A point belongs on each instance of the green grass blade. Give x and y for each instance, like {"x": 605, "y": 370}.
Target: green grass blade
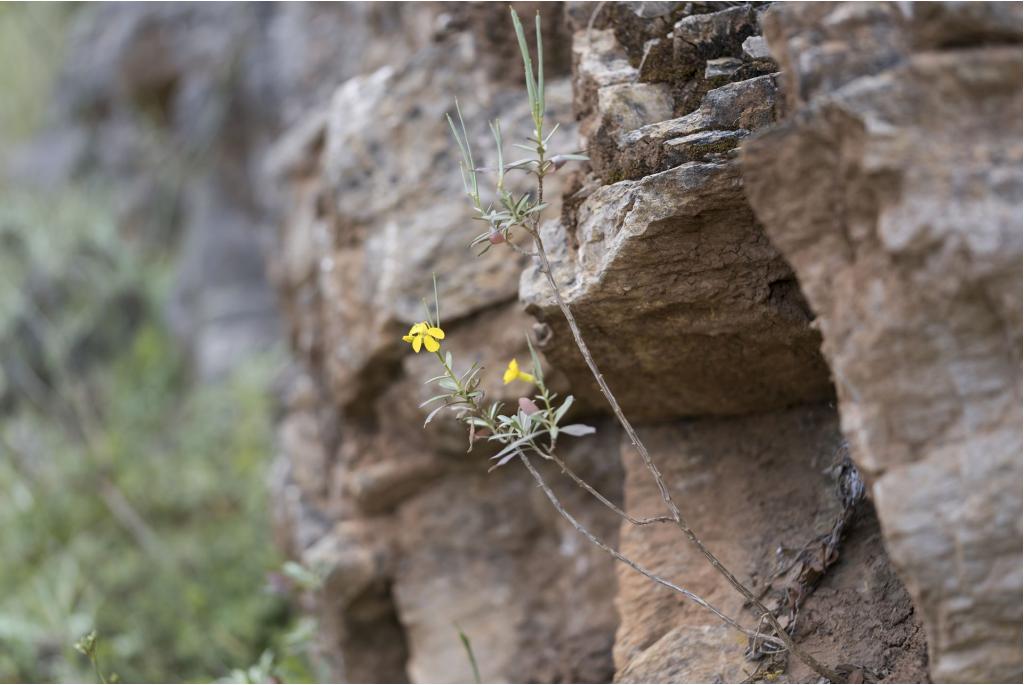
{"x": 496, "y": 130}
{"x": 531, "y": 86}
{"x": 540, "y": 73}
{"x": 469, "y": 154}
{"x": 469, "y": 653}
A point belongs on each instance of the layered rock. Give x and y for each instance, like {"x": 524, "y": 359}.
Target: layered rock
{"x": 686, "y": 265}
{"x": 894, "y": 190}
{"x": 417, "y": 540}
{"x": 879, "y": 175}
{"x": 691, "y": 311}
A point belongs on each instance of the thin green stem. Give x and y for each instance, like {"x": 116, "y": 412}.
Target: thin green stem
{"x": 96, "y": 667}
{"x": 469, "y": 653}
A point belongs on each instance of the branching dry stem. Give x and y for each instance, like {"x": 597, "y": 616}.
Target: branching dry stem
{"x": 517, "y": 213}
{"x": 676, "y": 515}
{"x": 556, "y": 503}
{"x": 601, "y": 498}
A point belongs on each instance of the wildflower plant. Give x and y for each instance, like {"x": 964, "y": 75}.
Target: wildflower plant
{"x": 536, "y": 422}
{"x": 535, "y": 426}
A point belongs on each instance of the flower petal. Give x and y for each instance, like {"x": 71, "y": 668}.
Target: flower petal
{"x": 407, "y": 338}
{"x": 417, "y": 342}
{"x": 435, "y": 332}
{"x": 431, "y": 344}
{"x": 511, "y": 372}
{"x": 523, "y": 376}
{"x": 418, "y": 328}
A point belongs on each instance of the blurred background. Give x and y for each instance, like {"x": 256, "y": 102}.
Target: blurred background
{"x": 138, "y": 346}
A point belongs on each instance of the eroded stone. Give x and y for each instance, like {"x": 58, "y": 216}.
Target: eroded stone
{"x": 895, "y": 193}
{"x": 663, "y": 266}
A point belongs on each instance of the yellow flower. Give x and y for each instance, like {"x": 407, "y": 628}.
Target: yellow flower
{"x": 512, "y": 373}
{"x": 424, "y": 335}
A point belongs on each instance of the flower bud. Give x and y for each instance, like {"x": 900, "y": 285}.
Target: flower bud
{"x": 527, "y": 405}
{"x": 496, "y": 237}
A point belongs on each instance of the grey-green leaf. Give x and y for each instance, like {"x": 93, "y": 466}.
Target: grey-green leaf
{"x": 577, "y": 429}
{"x": 431, "y": 415}
{"x": 560, "y": 412}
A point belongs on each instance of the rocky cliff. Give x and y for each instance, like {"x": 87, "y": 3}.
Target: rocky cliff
{"x": 796, "y": 255}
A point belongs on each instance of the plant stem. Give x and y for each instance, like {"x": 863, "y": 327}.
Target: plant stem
{"x": 96, "y": 667}
{"x": 597, "y": 495}
{"x": 666, "y": 496}
{"x": 469, "y": 653}
{"x": 629, "y": 562}
{"x": 478, "y": 412}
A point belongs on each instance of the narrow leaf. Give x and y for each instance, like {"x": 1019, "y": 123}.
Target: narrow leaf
{"x": 540, "y": 73}
{"x": 431, "y": 415}
{"x": 513, "y": 445}
{"x": 496, "y": 130}
{"x": 505, "y": 460}
{"x": 560, "y": 412}
{"x": 577, "y": 429}
{"x": 531, "y": 86}
{"x": 538, "y": 371}
{"x": 519, "y": 163}
{"x": 551, "y": 133}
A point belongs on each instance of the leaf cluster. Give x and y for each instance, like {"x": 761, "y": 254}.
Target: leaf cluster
{"x": 510, "y": 210}
{"x": 536, "y": 420}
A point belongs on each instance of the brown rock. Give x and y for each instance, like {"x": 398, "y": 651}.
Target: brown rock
{"x": 489, "y": 553}
{"x": 895, "y": 193}
{"x": 701, "y": 37}
{"x": 367, "y": 286}
{"x": 665, "y": 265}
{"x": 757, "y": 489}
{"x": 736, "y": 108}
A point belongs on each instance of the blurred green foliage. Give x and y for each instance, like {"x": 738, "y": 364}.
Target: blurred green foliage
{"x": 133, "y": 499}
{"x": 31, "y": 47}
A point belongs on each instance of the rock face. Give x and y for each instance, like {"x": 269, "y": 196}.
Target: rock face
{"x": 894, "y": 190}
{"x": 689, "y": 309}
{"x": 415, "y": 536}
{"x": 699, "y": 326}
{"x": 795, "y": 253}
{"x": 879, "y": 175}
{"x": 761, "y": 490}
